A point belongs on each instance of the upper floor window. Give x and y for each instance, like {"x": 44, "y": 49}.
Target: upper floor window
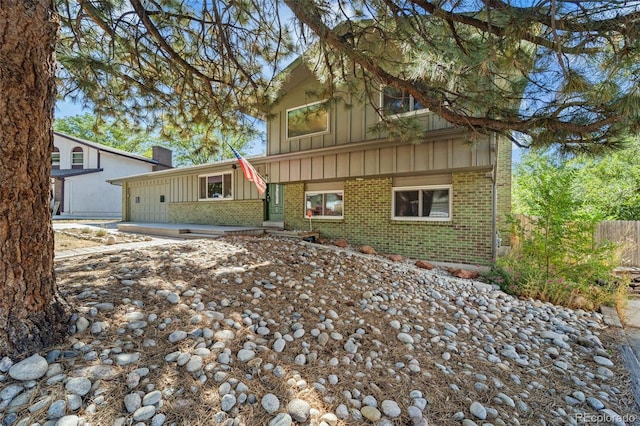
{"x": 398, "y": 102}
{"x": 55, "y": 158}
{"x": 324, "y": 204}
{"x": 77, "y": 158}
{"x": 307, "y": 120}
{"x": 213, "y": 187}
{"x": 422, "y": 203}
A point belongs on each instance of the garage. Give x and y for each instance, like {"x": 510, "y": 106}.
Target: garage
{"x": 148, "y": 200}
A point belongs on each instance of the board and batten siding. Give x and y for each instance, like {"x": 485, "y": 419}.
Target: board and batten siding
{"x": 179, "y": 186}
{"x": 384, "y": 158}
{"x": 144, "y": 202}
{"x": 347, "y": 123}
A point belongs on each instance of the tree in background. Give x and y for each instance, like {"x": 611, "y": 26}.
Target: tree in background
{"x": 114, "y": 134}
{"x": 610, "y": 184}
{"x": 606, "y": 186}
{"x": 191, "y": 145}
{"x": 556, "y": 257}
{"x": 198, "y": 144}
{"x": 575, "y": 65}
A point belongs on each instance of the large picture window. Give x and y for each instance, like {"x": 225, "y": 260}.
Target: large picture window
{"x": 325, "y": 204}
{"x": 422, "y": 203}
{"x": 307, "y": 120}
{"x": 398, "y": 102}
{"x": 215, "y": 187}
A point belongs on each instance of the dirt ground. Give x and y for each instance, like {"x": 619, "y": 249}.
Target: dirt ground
{"x": 66, "y": 241}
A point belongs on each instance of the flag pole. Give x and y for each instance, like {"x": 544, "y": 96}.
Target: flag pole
{"x": 233, "y": 149}
{"x": 250, "y": 173}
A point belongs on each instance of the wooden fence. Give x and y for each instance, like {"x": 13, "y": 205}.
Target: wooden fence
{"x": 626, "y": 233}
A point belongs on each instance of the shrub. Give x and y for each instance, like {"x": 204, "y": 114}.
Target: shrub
{"x": 557, "y": 258}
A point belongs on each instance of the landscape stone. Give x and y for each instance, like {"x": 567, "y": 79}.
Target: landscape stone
{"x": 228, "y": 402}
{"x": 31, "y": 368}
{"x": 57, "y": 409}
{"x": 304, "y": 318}
{"x": 390, "y": 408}
{"x": 603, "y": 361}
{"x": 78, "y": 385}
{"x": 270, "y": 403}
{"x": 478, "y": 410}
{"x": 366, "y": 250}
{"x": 144, "y": 413}
{"x": 152, "y": 398}
{"x": 282, "y": 419}
{"x": 299, "y": 410}
{"x": 371, "y": 413}
{"x": 71, "y": 420}
{"x": 132, "y": 402}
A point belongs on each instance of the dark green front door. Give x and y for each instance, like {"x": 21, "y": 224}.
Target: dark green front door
{"x": 275, "y": 209}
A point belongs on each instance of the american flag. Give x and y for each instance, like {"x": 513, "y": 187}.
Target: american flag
{"x": 250, "y": 172}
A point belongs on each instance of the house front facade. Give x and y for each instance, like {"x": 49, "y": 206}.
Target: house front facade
{"x": 439, "y": 196}
{"x": 79, "y": 174}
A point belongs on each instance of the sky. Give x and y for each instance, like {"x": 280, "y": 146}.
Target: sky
{"x": 66, "y": 109}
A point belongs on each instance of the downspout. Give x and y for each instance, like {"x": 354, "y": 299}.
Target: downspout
{"x": 494, "y": 196}
{"x": 62, "y": 183}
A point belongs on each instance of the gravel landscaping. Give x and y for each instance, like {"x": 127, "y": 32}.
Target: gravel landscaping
{"x": 267, "y": 331}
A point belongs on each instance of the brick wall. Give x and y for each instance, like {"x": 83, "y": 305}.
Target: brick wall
{"x": 367, "y": 220}
{"x": 232, "y": 212}
{"x": 504, "y": 189}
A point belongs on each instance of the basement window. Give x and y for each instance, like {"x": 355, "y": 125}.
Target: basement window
{"x": 422, "y": 203}
{"x": 324, "y": 205}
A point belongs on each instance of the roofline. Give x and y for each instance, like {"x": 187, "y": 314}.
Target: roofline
{"x": 178, "y": 170}
{"x": 79, "y": 173}
{"x": 106, "y": 148}
{"x": 435, "y": 135}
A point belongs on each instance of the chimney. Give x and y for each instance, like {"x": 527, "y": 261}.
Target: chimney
{"x": 163, "y": 157}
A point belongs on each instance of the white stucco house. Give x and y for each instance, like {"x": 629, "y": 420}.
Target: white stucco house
{"x": 80, "y": 170}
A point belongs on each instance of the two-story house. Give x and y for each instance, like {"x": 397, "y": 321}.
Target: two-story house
{"x": 438, "y": 197}
{"x": 79, "y": 173}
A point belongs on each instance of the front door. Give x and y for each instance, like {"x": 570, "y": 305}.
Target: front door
{"x": 275, "y": 206}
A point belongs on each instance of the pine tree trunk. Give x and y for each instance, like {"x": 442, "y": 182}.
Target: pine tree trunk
{"x": 32, "y": 315}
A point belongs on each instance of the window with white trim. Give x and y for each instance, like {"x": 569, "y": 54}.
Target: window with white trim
{"x": 307, "y": 120}
{"x": 324, "y": 204}
{"x": 422, "y": 203}
{"x": 216, "y": 187}
{"x": 77, "y": 158}
{"x": 55, "y": 158}
{"x": 397, "y": 102}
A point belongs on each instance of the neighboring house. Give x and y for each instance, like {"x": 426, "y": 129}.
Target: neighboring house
{"x": 80, "y": 170}
{"x": 441, "y": 198}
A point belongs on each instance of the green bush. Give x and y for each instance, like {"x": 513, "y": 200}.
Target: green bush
{"x": 585, "y": 284}
{"x": 556, "y": 257}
